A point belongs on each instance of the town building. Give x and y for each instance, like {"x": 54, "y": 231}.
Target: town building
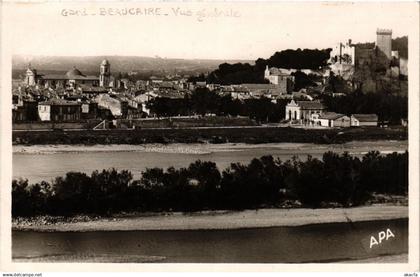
{"x": 262, "y": 90}
{"x": 331, "y": 119}
{"x": 72, "y": 78}
{"x": 117, "y": 105}
{"x": 303, "y": 110}
{"x": 59, "y": 110}
{"x": 89, "y": 110}
{"x": 280, "y": 77}
{"x": 358, "y": 120}
{"x": 24, "y": 110}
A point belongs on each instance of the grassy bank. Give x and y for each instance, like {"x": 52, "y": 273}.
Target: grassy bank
{"x": 250, "y": 135}
{"x": 211, "y": 219}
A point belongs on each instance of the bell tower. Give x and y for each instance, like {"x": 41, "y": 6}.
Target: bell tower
{"x": 104, "y": 73}
{"x": 30, "y": 76}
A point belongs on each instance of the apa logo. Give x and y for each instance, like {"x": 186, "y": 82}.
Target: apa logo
{"x": 383, "y": 235}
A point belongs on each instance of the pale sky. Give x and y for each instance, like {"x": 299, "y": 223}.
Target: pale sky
{"x": 255, "y": 29}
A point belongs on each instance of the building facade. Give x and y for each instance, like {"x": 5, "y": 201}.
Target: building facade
{"x": 303, "y": 110}
{"x": 281, "y": 78}
{"x": 358, "y": 120}
{"x": 72, "y": 78}
{"x": 58, "y": 110}
{"x": 331, "y": 119}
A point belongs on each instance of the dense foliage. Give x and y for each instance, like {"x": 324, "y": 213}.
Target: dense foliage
{"x": 240, "y": 73}
{"x": 401, "y": 45}
{"x": 342, "y": 179}
{"x": 203, "y": 101}
{"x": 390, "y": 108}
{"x": 298, "y": 59}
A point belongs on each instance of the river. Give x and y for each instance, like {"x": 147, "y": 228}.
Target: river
{"x": 38, "y": 163}
{"x": 332, "y": 242}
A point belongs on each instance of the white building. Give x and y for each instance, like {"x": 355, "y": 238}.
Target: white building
{"x": 331, "y": 119}
{"x": 303, "y": 110}
{"x": 343, "y": 53}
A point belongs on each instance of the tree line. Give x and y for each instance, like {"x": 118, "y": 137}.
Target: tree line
{"x": 264, "y": 182}
{"x": 388, "y": 107}
{"x": 202, "y": 101}
{"x": 240, "y": 73}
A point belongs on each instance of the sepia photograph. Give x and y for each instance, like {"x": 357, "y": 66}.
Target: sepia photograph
{"x": 210, "y": 132}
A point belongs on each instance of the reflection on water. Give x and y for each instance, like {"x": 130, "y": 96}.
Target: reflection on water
{"x": 39, "y": 167}
{"x": 309, "y": 243}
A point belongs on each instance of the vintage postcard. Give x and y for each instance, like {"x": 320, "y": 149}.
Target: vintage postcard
{"x": 277, "y": 136}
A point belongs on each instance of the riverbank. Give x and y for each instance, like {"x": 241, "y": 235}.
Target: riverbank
{"x": 215, "y": 220}
{"x": 353, "y": 147}
{"x": 214, "y": 135}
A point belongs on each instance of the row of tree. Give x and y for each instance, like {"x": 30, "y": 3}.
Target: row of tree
{"x": 203, "y": 101}
{"x": 342, "y": 179}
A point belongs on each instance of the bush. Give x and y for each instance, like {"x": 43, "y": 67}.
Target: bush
{"x": 340, "y": 179}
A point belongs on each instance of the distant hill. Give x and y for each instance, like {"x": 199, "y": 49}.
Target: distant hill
{"x": 90, "y": 64}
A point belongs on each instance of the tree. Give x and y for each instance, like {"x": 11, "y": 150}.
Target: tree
{"x": 204, "y": 101}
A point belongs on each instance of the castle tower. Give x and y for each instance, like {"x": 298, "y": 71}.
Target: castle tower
{"x": 383, "y": 41}
{"x": 104, "y": 73}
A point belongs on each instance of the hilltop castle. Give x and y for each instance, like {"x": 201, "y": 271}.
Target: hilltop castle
{"x": 346, "y": 57}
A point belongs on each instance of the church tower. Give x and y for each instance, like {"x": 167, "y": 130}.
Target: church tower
{"x": 30, "y": 76}
{"x": 266, "y": 72}
{"x": 104, "y": 73}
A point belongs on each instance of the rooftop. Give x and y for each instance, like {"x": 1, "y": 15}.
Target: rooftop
{"x": 59, "y": 102}
{"x": 279, "y": 71}
{"x": 365, "y": 117}
{"x": 310, "y": 105}
{"x": 331, "y": 116}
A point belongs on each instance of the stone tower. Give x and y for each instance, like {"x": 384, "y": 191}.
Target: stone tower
{"x": 383, "y": 41}
{"x": 104, "y": 73}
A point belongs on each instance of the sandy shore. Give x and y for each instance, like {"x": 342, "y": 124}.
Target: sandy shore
{"x": 385, "y": 147}
{"x": 226, "y": 219}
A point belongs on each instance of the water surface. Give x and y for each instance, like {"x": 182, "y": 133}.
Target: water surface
{"x": 331, "y": 242}
{"x": 38, "y": 163}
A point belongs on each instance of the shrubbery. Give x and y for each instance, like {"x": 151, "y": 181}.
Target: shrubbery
{"x": 266, "y": 181}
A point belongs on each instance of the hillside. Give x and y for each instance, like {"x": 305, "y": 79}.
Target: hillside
{"x": 90, "y": 64}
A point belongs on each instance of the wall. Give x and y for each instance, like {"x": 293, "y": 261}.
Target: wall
{"x": 44, "y": 112}
{"x": 49, "y": 125}
{"x": 293, "y": 113}
{"x": 342, "y": 122}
